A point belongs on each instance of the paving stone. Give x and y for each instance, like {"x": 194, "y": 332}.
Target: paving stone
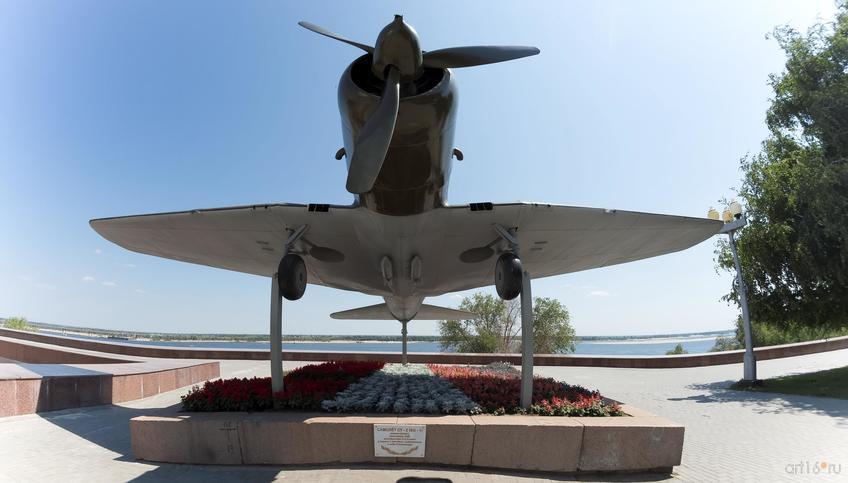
{"x": 730, "y": 436}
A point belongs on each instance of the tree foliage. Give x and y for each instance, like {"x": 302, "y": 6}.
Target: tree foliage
{"x": 678, "y": 349}
{"x": 552, "y": 331}
{"x": 18, "y": 323}
{"x": 498, "y": 328}
{"x": 766, "y": 334}
{"x": 794, "y": 251}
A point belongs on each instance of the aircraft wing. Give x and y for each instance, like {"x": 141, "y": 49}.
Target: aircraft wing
{"x": 250, "y": 239}
{"x": 555, "y": 240}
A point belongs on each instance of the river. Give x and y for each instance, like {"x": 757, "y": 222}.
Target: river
{"x": 637, "y": 346}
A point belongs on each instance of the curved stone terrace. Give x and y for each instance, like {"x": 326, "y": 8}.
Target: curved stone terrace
{"x": 636, "y": 362}
{"x": 39, "y": 377}
{"x": 730, "y": 435}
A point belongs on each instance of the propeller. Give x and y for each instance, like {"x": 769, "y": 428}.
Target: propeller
{"x": 398, "y": 58}
{"x": 471, "y": 56}
{"x": 322, "y": 31}
{"x": 372, "y": 144}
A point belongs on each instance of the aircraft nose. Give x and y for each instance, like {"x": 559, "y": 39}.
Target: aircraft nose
{"x": 398, "y": 45}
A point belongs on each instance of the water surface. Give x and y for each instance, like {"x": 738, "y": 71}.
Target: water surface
{"x": 619, "y": 347}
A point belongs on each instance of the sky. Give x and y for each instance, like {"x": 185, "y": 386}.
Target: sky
{"x": 119, "y": 108}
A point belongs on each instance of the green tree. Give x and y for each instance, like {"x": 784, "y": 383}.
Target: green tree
{"x": 498, "y": 328}
{"x": 552, "y": 331}
{"x": 18, "y": 323}
{"x": 794, "y": 251}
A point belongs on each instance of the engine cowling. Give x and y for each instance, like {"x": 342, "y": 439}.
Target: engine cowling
{"x": 417, "y": 166}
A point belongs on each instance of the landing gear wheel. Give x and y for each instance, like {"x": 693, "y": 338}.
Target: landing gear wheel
{"x": 508, "y": 276}
{"x": 291, "y": 275}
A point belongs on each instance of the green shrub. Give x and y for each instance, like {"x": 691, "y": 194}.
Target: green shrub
{"x": 678, "y": 349}
{"x": 767, "y": 334}
{"x": 726, "y": 344}
{"x": 18, "y": 323}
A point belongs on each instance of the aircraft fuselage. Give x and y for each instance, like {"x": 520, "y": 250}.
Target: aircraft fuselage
{"x": 414, "y": 176}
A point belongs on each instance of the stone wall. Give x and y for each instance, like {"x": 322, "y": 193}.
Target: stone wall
{"x": 635, "y": 362}
{"x": 640, "y": 442}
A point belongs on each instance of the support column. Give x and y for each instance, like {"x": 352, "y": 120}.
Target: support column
{"x": 403, "y": 357}
{"x": 276, "y": 338}
{"x": 526, "y": 342}
{"x": 749, "y": 361}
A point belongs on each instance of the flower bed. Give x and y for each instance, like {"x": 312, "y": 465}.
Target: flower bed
{"x": 303, "y": 389}
{"x": 402, "y": 389}
{"x": 497, "y": 392}
{"x": 368, "y": 386}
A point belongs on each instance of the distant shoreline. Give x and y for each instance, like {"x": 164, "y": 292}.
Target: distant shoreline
{"x": 130, "y": 336}
{"x": 223, "y": 340}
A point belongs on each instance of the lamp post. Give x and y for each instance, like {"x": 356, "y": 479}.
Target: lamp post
{"x": 733, "y": 220}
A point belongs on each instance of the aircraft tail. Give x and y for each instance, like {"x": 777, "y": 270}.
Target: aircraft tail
{"x": 381, "y": 312}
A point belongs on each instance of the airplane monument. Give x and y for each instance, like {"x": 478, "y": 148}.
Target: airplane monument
{"x": 400, "y": 239}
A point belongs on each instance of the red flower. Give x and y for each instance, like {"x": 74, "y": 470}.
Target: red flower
{"x": 498, "y": 393}
{"x": 304, "y": 388}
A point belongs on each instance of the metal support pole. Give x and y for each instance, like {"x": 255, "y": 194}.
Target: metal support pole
{"x": 276, "y": 336}
{"x": 510, "y": 236}
{"x": 526, "y": 342}
{"x": 276, "y": 332}
{"x": 403, "y": 357}
{"x": 749, "y": 361}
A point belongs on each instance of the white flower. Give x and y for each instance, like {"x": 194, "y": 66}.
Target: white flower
{"x": 402, "y": 389}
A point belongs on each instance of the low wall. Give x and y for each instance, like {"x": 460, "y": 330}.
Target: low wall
{"x": 35, "y": 377}
{"x": 641, "y": 442}
{"x": 23, "y": 391}
{"x": 640, "y": 362}
{"x": 36, "y": 354}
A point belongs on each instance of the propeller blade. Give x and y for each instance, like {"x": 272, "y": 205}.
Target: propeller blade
{"x": 477, "y": 55}
{"x": 372, "y": 144}
{"x": 322, "y": 31}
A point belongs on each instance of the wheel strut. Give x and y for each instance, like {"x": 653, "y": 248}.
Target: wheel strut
{"x": 289, "y": 281}
{"x": 510, "y": 280}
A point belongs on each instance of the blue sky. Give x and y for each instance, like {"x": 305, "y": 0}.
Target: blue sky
{"x": 117, "y": 108}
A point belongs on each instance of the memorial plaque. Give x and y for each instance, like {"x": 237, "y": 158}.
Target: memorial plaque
{"x": 400, "y": 440}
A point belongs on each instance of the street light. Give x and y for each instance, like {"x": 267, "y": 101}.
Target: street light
{"x": 733, "y": 220}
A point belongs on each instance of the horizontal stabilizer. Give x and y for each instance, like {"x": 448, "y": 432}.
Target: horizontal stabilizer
{"x": 432, "y": 312}
{"x": 381, "y": 312}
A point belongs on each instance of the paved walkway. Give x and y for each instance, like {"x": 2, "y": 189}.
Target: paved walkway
{"x": 730, "y": 436}
{"x": 733, "y": 435}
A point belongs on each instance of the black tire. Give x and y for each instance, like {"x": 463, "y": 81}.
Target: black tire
{"x": 508, "y": 276}
{"x": 291, "y": 275}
